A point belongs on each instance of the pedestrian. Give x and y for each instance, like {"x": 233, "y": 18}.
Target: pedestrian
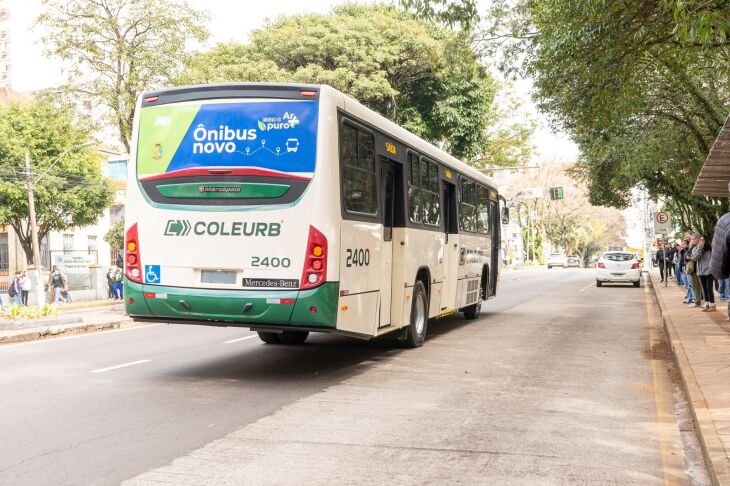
{"x": 118, "y": 285}
{"x": 669, "y": 256}
{"x": 695, "y": 252}
{"x": 110, "y": 282}
{"x": 704, "y": 273}
{"x": 660, "y": 260}
{"x": 14, "y": 290}
{"x": 675, "y": 262}
{"x": 720, "y": 262}
{"x": 25, "y": 287}
{"x": 57, "y": 282}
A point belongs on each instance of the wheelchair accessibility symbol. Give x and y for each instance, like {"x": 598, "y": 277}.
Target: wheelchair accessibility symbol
{"x": 152, "y": 274}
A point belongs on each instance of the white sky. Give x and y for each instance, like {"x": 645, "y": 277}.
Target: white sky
{"x": 228, "y": 21}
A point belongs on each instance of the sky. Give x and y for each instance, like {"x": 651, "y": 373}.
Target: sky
{"x": 32, "y": 70}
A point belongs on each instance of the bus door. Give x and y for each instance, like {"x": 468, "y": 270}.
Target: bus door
{"x": 387, "y": 184}
{"x": 496, "y": 246}
{"x": 451, "y": 247}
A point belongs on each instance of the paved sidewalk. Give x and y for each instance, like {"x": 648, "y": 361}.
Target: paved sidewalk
{"x": 701, "y": 345}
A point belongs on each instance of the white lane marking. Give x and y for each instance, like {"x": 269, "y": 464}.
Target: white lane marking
{"x": 592, "y": 284}
{"x": 124, "y": 365}
{"x": 95, "y": 333}
{"x": 241, "y": 339}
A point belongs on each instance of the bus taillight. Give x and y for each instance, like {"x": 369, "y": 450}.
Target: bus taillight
{"x": 131, "y": 249}
{"x": 315, "y": 260}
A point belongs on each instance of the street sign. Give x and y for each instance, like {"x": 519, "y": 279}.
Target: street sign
{"x": 556, "y": 193}
{"x": 533, "y": 193}
{"x": 662, "y": 223}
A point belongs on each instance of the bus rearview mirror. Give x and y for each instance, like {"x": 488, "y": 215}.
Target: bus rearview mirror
{"x": 505, "y": 215}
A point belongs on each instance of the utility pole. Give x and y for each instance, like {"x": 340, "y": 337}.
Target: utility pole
{"x": 34, "y": 230}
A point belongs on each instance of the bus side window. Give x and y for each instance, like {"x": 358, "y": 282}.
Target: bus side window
{"x": 414, "y": 189}
{"x": 467, "y": 206}
{"x": 483, "y": 210}
{"x": 358, "y": 171}
{"x": 430, "y": 192}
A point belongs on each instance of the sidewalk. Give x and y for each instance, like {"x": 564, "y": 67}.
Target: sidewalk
{"x": 701, "y": 345}
{"x": 92, "y": 316}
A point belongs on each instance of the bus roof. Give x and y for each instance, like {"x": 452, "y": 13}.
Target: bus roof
{"x": 309, "y": 92}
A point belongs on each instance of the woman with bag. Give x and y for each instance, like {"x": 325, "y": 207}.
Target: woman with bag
{"x": 692, "y": 260}
{"x": 702, "y": 269}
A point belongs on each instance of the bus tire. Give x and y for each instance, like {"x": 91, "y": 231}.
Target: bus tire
{"x": 293, "y": 337}
{"x": 473, "y": 311}
{"x": 416, "y": 331}
{"x": 269, "y": 337}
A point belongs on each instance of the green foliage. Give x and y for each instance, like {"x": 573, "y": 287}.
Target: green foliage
{"x": 642, "y": 87}
{"x": 423, "y": 77}
{"x": 454, "y": 13}
{"x": 121, "y": 47}
{"x": 115, "y": 235}
{"x": 72, "y": 194}
{"x": 18, "y": 312}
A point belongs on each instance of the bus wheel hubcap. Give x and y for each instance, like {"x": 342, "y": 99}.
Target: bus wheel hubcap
{"x": 420, "y": 315}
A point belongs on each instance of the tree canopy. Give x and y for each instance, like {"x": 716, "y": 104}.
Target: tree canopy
{"x": 117, "y": 48}
{"x": 423, "y": 77}
{"x": 642, "y": 87}
{"x": 71, "y": 194}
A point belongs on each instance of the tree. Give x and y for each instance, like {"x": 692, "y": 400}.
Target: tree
{"x": 115, "y": 235}
{"x": 423, "y": 77}
{"x": 72, "y": 194}
{"x": 118, "y": 48}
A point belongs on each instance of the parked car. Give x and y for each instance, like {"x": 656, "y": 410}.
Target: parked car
{"x": 573, "y": 261}
{"x": 618, "y": 267}
{"x": 557, "y": 260}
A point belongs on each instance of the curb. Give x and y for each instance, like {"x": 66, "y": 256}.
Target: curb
{"x": 713, "y": 451}
{"x": 49, "y": 332}
{"x": 19, "y": 325}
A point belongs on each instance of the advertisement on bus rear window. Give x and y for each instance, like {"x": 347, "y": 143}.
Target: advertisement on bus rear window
{"x": 271, "y": 137}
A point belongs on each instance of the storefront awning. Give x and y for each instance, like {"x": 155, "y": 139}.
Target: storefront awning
{"x": 715, "y": 174}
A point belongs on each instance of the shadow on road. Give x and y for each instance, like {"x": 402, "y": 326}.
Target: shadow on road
{"x": 322, "y": 356}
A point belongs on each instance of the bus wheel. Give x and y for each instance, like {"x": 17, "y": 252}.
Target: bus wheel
{"x": 269, "y": 337}
{"x": 293, "y": 337}
{"x": 472, "y": 312}
{"x": 416, "y": 333}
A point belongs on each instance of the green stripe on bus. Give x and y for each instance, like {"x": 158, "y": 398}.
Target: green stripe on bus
{"x": 312, "y": 308}
{"x": 225, "y": 190}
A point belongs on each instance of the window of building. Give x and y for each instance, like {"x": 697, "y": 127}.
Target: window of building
{"x": 68, "y": 242}
{"x": 118, "y": 170}
{"x": 45, "y": 253}
{"x": 4, "y": 254}
{"x": 358, "y": 171}
{"x": 91, "y": 243}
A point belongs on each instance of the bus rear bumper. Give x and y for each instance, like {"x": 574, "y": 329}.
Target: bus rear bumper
{"x": 315, "y": 308}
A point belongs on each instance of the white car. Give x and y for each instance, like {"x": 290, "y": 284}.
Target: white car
{"x": 557, "y": 260}
{"x": 619, "y": 267}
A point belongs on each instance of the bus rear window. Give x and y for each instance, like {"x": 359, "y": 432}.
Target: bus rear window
{"x": 227, "y": 153}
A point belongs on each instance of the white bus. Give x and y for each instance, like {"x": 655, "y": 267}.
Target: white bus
{"x": 292, "y": 208}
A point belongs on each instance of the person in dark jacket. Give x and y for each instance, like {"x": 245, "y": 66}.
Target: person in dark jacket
{"x": 720, "y": 261}
{"x": 660, "y": 261}
{"x": 705, "y": 275}
{"x": 110, "y": 283}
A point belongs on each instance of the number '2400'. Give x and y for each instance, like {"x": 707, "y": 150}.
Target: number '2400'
{"x": 357, "y": 257}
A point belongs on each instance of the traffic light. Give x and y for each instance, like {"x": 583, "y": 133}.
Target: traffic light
{"x": 556, "y": 193}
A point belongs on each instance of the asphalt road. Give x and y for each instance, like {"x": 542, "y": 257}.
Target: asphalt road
{"x": 574, "y": 384}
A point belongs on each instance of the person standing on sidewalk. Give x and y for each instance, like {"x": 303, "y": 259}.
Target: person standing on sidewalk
{"x": 720, "y": 262}
{"x": 110, "y": 282}
{"x": 705, "y": 274}
{"x": 14, "y": 290}
{"x": 692, "y": 258}
{"x": 660, "y": 261}
{"x": 26, "y": 285}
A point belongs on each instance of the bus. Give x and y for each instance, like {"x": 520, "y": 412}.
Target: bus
{"x": 292, "y": 208}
